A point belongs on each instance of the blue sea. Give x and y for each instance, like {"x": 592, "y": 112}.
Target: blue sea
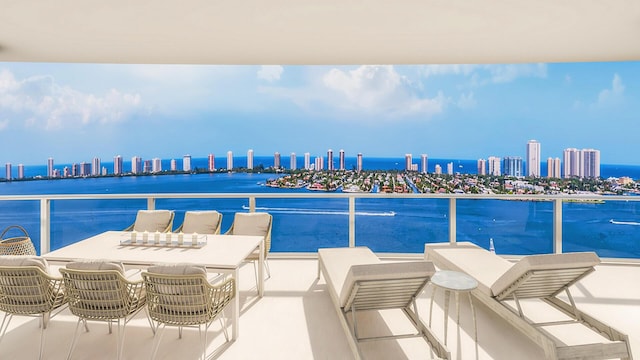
{"x": 304, "y": 225}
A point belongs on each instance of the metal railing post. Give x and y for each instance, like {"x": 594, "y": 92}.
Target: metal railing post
{"x": 45, "y": 226}
{"x": 352, "y": 221}
{"x": 252, "y": 204}
{"x": 452, "y": 220}
{"x": 151, "y": 203}
{"x": 557, "y": 226}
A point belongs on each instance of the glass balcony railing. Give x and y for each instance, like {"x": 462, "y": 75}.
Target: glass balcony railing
{"x": 392, "y": 223}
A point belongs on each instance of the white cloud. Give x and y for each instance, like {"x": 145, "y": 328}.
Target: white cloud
{"x": 380, "y": 89}
{"x": 608, "y": 97}
{"x": 487, "y": 74}
{"x": 46, "y": 104}
{"x": 270, "y": 73}
{"x": 3, "y": 124}
{"x": 467, "y": 101}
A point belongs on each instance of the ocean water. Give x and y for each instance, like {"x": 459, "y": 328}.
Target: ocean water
{"x": 304, "y": 225}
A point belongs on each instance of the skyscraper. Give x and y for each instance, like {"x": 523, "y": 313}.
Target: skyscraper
{"x": 450, "y": 168}
{"x": 319, "y": 163}
{"x": 147, "y": 166}
{"x": 424, "y": 161}
{"x": 553, "y": 168}
{"x": 136, "y": 164}
{"x": 342, "y": 161}
{"x": 512, "y": 166}
{"x": 572, "y": 163}
{"x": 407, "y": 162}
{"x": 20, "y": 171}
{"x": 186, "y": 163}
{"x": 293, "y": 161}
{"x": 250, "y": 159}
{"x": 173, "y": 165}
{"x": 307, "y": 161}
{"x": 359, "y": 162}
{"x": 85, "y": 169}
{"x": 591, "y": 163}
{"x": 7, "y": 168}
{"x": 75, "y": 170}
{"x": 494, "y": 166}
{"x": 229, "y": 160}
{"x": 117, "y": 165}
{"x": 533, "y": 158}
{"x": 156, "y": 165}
{"x": 482, "y": 167}
{"x": 330, "y": 160}
{"x": 276, "y": 160}
{"x": 438, "y": 169}
{"x": 50, "y": 167}
{"x": 211, "y": 161}
{"x": 95, "y": 166}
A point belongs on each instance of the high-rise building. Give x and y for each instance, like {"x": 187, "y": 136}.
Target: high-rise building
{"x": 512, "y": 166}
{"x": 424, "y": 161}
{"x": 156, "y": 165}
{"x": 75, "y": 170}
{"x": 7, "y": 168}
{"x": 293, "y": 161}
{"x": 136, "y": 165}
{"x": 307, "y": 161}
{"x": 50, "y": 167}
{"x": 329, "y": 160}
{"x": 482, "y": 167}
{"x": 250, "y": 159}
{"x": 533, "y": 158}
{"x": 147, "y": 167}
{"x": 494, "y": 166}
{"x": 591, "y": 163}
{"x": 85, "y": 169}
{"x": 572, "y": 163}
{"x": 438, "y": 169}
{"x": 319, "y": 163}
{"x": 553, "y": 168}
{"x": 276, "y": 160}
{"x": 342, "y": 160}
{"x": 95, "y": 166}
{"x": 229, "y": 160}
{"x": 211, "y": 162}
{"x": 407, "y": 162}
{"x": 359, "y": 162}
{"x": 20, "y": 171}
{"x": 117, "y": 165}
{"x": 173, "y": 165}
{"x": 186, "y": 163}
{"x": 450, "y": 168}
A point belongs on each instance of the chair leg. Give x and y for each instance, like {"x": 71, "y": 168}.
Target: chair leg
{"x": 120, "y": 337}
{"x": 75, "y": 337}
{"x": 44, "y": 318}
{"x": 266, "y": 267}
{"x": 156, "y": 340}
{"x": 5, "y": 324}
{"x": 203, "y": 340}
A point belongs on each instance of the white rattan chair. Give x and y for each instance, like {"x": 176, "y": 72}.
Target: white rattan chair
{"x": 180, "y": 295}
{"x": 255, "y": 223}
{"x": 99, "y": 291}
{"x": 152, "y": 221}
{"x": 27, "y": 289}
{"x": 201, "y": 222}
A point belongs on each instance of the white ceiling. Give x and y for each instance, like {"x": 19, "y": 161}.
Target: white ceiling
{"x": 319, "y": 31}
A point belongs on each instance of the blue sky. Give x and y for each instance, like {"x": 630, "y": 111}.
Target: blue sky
{"x": 74, "y": 112}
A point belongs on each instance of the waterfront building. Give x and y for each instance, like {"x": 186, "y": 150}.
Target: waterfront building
{"x": 276, "y": 160}
{"x": 424, "y": 161}
{"x": 319, "y": 163}
{"x": 438, "y": 169}
{"x": 55, "y": 173}
{"x": 50, "y": 167}
{"x": 186, "y": 163}
{"x": 250, "y": 159}
{"x": 66, "y": 172}
{"x": 75, "y": 170}
{"x": 359, "y": 162}
{"x": 307, "y": 161}
{"x": 20, "y": 171}
{"x": 7, "y": 169}
{"x": 572, "y": 163}
{"x": 104, "y": 171}
{"x": 553, "y": 168}
{"x": 342, "y": 161}
{"x": 156, "y": 165}
{"x": 136, "y": 164}
{"x": 229, "y": 160}
{"x": 329, "y": 160}
{"x": 591, "y": 163}
{"x": 533, "y": 158}
{"x": 450, "y": 168}
{"x": 117, "y": 165}
{"x": 95, "y": 166}
{"x": 482, "y": 167}
{"x": 85, "y": 169}
{"x": 293, "y": 162}
{"x": 407, "y": 162}
{"x": 211, "y": 162}
{"x": 512, "y": 166}
{"x": 494, "y": 166}
{"x": 147, "y": 166}
{"x": 173, "y": 165}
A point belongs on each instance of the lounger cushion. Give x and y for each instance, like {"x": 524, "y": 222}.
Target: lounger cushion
{"x": 544, "y": 262}
{"x": 384, "y": 271}
{"x": 24, "y": 260}
{"x": 251, "y": 224}
{"x": 152, "y": 220}
{"x": 201, "y": 222}
{"x": 338, "y": 261}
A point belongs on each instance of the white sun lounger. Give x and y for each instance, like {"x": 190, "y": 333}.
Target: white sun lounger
{"x": 357, "y": 280}
{"x": 533, "y": 277}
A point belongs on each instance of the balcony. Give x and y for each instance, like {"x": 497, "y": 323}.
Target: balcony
{"x": 296, "y": 318}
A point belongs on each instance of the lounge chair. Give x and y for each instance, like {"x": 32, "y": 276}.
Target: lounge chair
{"x": 255, "y": 223}
{"x": 502, "y": 283}
{"x": 152, "y": 221}
{"x": 201, "y": 222}
{"x": 357, "y": 280}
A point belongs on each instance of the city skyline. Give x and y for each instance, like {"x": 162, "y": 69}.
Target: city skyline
{"x": 448, "y": 111}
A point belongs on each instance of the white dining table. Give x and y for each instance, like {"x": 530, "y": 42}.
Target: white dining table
{"x": 218, "y": 253}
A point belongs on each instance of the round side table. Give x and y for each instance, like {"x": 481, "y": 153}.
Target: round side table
{"x": 456, "y": 282}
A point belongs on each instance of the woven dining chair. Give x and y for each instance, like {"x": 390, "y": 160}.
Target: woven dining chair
{"x": 254, "y": 223}
{"x": 99, "y": 291}
{"x": 152, "y": 221}
{"x": 26, "y": 288}
{"x": 180, "y": 295}
{"x": 201, "y": 222}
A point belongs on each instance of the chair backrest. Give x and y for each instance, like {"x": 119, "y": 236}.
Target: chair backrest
{"x": 201, "y": 222}
{"x": 254, "y": 223}
{"x": 25, "y": 286}
{"x": 180, "y": 295}
{"x": 98, "y": 290}
{"x": 153, "y": 220}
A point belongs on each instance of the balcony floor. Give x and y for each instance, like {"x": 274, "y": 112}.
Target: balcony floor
{"x": 296, "y": 320}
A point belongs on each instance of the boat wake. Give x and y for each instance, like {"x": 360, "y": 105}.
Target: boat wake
{"x": 320, "y": 211}
{"x": 624, "y": 222}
